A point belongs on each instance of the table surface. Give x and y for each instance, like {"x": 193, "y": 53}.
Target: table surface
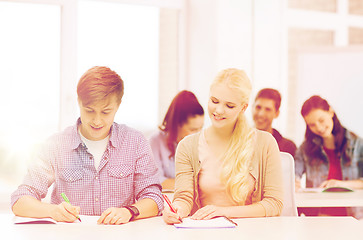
{"x": 312, "y": 198}
{"x": 154, "y": 228}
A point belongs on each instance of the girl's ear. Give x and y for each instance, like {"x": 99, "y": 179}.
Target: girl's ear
{"x": 244, "y": 107}
{"x": 331, "y": 111}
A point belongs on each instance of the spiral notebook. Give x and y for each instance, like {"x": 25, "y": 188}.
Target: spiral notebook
{"x": 218, "y": 222}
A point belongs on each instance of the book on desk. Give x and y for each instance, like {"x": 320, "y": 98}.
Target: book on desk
{"x": 326, "y": 190}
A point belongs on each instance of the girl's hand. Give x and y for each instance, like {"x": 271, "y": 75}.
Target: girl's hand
{"x": 171, "y": 217}
{"x": 208, "y": 212}
{"x": 331, "y": 183}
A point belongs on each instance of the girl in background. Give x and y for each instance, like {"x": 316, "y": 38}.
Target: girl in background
{"x": 331, "y": 155}
{"x": 185, "y": 116}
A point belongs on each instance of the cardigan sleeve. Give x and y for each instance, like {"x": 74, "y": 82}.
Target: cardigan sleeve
{"x": 185, "y": 172}
{"x": 272, "y": 191}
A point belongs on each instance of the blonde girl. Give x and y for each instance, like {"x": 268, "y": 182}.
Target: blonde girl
{"x": 229, "y": 169}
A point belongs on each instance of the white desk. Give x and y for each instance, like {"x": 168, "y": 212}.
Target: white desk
{"x": 154, "y": 228}
{"x": 329, "y": 199}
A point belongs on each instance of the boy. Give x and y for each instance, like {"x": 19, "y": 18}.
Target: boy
{"x": 103, "y": 167}
{"x": 265, "y": 109}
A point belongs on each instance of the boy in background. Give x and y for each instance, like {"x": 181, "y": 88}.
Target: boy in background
{"x": 265, "y": 109}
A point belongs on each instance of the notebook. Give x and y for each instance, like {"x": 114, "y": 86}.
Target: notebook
{"x": 25, "y": 220}
{"x": 329, "y": 189}
{"x": 218, "y": 222}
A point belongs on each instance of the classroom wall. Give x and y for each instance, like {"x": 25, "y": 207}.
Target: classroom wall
{"x": 265, "y": 38}
{"x": 232, "y": 33}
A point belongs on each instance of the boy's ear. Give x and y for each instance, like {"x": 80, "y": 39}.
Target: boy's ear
{"x": 277, "y": 114}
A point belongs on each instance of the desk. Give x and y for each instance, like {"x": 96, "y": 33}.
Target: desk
{"x": 154, "y": 228}
{"x": 329, "y": 199}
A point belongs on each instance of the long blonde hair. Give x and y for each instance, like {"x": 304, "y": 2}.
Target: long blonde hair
{"x": 237, "y": 158}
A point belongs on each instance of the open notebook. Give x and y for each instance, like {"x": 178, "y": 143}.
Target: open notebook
{"x": 26, "y": 220}
{"x": 218, "y": 222}
{"x": 329, "y": 189}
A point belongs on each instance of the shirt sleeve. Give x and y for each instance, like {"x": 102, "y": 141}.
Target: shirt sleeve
{"x": 147, "y": 183}
{"x": 359, "y": 153}
{"x": 299, "y": 162}
{"x": 155, "y": 147}
{"x": 39, "y": 178}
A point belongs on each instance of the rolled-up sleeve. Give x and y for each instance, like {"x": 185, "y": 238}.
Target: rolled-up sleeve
{"x": 38, "y": 178}
{"x": 147, "y": 183}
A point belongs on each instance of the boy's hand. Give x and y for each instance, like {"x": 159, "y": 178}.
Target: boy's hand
{"x": 115, "y": 216}
{"x": 64, "y": 212}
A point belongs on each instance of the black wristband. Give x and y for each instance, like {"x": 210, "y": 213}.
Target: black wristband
{"x": 133, "y": 210}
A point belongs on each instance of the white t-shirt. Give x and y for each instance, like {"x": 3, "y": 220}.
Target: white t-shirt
{"x": 96, "y": 148}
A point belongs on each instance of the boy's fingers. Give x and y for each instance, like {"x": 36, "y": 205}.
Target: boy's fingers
{"x": 103, "y": 216}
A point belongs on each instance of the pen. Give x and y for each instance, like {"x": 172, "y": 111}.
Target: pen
{"x": 231, "y": 221}
{"x": 67, "y": 200}
{"x": 171, "y": 206}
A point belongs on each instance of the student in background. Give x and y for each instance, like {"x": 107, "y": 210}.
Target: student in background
{"x": 228, "y": 169}
{"x": 265, "y": 109}
{"x": 103, "y": 167}
{"x": 331, "y": 155}
{"x": 185, "y": 116}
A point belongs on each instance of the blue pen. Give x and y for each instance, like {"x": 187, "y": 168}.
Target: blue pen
{"x": 67, "y": 200}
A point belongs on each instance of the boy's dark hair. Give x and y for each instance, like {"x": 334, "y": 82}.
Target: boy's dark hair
{"x": 272, "y": 94}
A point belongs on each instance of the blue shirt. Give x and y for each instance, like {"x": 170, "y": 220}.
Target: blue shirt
{"x": 161, "y": 152}
{"x": 317, "y": 169}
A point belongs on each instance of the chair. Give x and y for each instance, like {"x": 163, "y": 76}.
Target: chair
{"x": 288, "y": 171}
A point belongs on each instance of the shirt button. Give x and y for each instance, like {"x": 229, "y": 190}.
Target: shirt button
{"x": 96, "y": 178}
{"x": 70, "y": 179}
{"x": 96, "y": 199}
{"x": 121, "y": 174}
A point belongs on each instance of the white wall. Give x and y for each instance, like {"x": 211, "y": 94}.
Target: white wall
{"x": 233, "y": 33}
{"x": 219, "y": 36}
{"x": 336, "y": 75}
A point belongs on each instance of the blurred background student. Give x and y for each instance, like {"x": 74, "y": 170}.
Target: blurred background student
{"x": 185, "y": 116}
{"x": 265, "y": 109}
{"x": 331, "y": 155}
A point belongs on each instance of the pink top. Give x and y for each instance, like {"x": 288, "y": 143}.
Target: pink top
{"x": 335, "y": 167}
{"x": 211, "y": 189}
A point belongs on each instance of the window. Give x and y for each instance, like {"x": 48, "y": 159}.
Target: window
{"x": 29, "y": 73}
{"x": 126, "y": 39}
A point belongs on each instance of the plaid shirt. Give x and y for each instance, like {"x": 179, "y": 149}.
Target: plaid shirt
{"x": 127, "y": 172}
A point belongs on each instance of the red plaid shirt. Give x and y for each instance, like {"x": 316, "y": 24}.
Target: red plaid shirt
{"x": 127, "y": 172}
